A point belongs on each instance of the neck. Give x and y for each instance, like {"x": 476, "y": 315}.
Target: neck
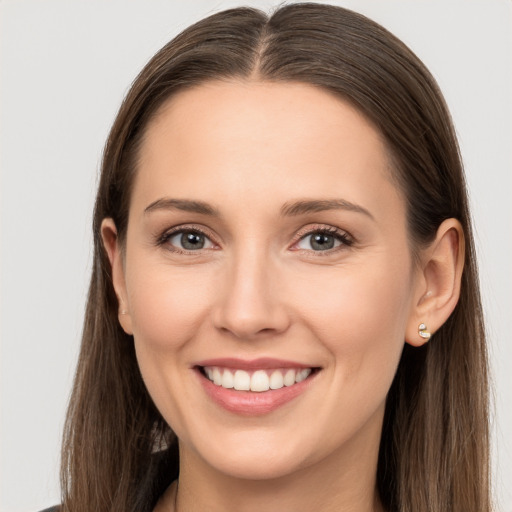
{"x": 343, "y": 481}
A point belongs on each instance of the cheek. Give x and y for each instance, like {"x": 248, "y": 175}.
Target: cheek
{"x": 167, "y": 306}
{"x": 360, "y": 315}
{"x": 168, "y": 311}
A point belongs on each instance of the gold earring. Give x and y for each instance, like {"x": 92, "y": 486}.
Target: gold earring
{"x": 422, "y": 331}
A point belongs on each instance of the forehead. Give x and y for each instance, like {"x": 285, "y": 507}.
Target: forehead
{"x": 241, "y": 112}
{"x": 279, "y": 140}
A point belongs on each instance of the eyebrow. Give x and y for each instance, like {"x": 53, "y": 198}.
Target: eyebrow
{"x": 312, "y": 206}
{"x": 185, "y": 205}
{"x": 287, "y": 210}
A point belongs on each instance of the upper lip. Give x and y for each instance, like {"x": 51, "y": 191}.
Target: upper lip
{"x": 262, "y": 363}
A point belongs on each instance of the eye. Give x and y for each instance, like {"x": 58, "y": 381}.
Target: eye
{"x": 188, "y": 240}
{"x": 323, "y": 240}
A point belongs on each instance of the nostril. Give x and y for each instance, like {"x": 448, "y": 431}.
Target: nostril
{"x": 251, "y": 327}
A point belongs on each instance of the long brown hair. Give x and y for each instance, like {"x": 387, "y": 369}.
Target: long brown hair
{"x": 434, "y": 447}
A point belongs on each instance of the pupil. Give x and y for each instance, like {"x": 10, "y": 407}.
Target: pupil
{"x": 192, "y": 241}
{"x": 322, "y": 242}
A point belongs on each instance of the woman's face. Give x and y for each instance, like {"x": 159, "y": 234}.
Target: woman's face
{"x": 266, "y": 244}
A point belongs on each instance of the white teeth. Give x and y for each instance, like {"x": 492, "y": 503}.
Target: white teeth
{"x": 217, "y": 377}
{"x": 227, "y": 380}
{"x": 242, "y": 381}
{"x": 302, "y": 374}
{"x": 259, "y": 381}
{"x": 276, "y": 380}
{"x": 289, "y": 378}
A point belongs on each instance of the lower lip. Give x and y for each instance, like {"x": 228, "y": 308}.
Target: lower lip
{"x": 251, "y": 403}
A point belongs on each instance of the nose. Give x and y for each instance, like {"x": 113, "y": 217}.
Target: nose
{"x": 251, "y": 301}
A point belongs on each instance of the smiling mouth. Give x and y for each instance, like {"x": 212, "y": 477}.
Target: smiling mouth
{"x": 257, "y": 381}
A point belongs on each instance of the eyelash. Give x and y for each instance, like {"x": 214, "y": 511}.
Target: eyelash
{"x": 164, "y": 238}
{"x": 343, "y": 237}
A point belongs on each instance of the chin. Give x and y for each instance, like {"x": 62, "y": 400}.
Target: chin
{"x": 254, "y": 454}
{"x": 257, "y": 466}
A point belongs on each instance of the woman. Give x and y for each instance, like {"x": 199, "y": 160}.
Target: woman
{"x": 284, "y": 311}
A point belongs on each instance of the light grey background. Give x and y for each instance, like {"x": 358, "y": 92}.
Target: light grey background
{"x": 65, "y": 66}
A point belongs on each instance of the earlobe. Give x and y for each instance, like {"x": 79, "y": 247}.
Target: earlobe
{"x": 438, "y": 287}
{"x": 114, "y": 252}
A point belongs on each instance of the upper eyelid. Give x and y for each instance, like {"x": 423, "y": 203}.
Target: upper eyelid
{"x": 343, "y": 238}
{"x": 326, "y": 228}
{"x": 169, "y": 232}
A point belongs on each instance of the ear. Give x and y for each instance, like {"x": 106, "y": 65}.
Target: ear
{"x": 115, "y": 256}
{"x": 438, "y": 284}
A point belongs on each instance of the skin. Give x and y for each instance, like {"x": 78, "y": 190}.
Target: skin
{"x": 260, "y": 289}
